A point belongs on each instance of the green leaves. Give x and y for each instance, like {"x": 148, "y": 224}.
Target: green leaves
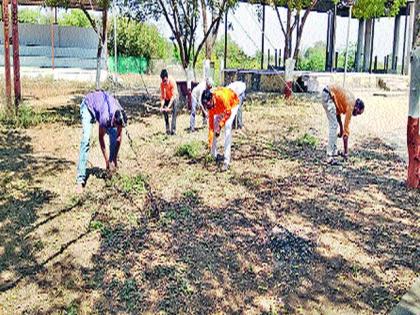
{"x": 138, "y": 40}
{"x": 368, "y": 9}
{"x": 74, "y": 18}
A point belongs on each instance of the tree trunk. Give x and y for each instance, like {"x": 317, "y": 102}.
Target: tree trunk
{"x": 205, "y": 28}
{"x": 287, "y": 35}
{"x": 396, "y": 45}
{"x": 368, "y": 45}
{"x": 7, "y": 74}
{"x": 16, "y": 60}
{"x": 360, "y": 39}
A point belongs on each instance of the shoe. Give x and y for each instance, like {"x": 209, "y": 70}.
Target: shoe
{"x": 168, "y": 132}
{"x": 220, "y": 158}
{"x": 173, "y": 133}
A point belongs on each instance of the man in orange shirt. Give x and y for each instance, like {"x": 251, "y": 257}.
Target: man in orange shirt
{"x": 338, "y": 101}
{"x": 222, "y": 105}
{"x": 168, "y": 103}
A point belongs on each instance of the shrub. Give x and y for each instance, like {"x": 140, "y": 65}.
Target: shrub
{"x": 138, "y": 40}
{"x": 313, "y": 58}
{"x": 32, "y": 16}
{"x": 75, "y": 17}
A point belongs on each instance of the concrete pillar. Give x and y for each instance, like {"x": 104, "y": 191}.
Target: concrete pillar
{"x": 333, "y": 31}
{"x": 360, "y": 42}
{"x": 396, "y": 44}
{"x": 368, "y": 45}
{"x": 410, "y": 39}
{"x": 327, "y": 47}
{"x": 262, "y": 37}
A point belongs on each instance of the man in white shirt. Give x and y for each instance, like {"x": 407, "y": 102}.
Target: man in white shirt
{"x": 239, "y": 88}
{"x": 196, "y": 94}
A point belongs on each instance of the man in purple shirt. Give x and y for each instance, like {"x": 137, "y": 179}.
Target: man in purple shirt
{"x": 101, "y": 107}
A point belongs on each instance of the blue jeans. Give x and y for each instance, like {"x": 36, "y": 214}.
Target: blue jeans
{"x": 87, "y": 122}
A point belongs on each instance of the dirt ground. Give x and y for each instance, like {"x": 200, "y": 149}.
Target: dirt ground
{"x": 279, "y": 233}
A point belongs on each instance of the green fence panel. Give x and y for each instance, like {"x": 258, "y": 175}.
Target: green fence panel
{"x": 128, "y": 64}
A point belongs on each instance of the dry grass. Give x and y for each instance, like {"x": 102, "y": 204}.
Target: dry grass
{"x": 279, "y": 233}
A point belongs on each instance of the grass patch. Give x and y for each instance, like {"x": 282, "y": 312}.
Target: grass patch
{"x": 190, "y": 150}
{"x": 191, "y": 195}
{"x": 26, "y": 117}
{"x": 130, "y": 184}
{"x": 307, "y": 140}
{"x": 173, "y": 215}
{"x": 72, "y": 309}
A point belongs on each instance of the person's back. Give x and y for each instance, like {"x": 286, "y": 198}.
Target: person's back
{"x": 102, "y": 106}
{"x": 238, "y": 87}
{"x": 224, "y": 100}
{"x": 344, "y": 100}
{"x": 198, "y": 90}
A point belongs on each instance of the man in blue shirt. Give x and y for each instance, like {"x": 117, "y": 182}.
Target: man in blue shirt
{"x": 101, "y": 107}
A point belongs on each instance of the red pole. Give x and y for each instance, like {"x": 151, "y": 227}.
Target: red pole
{"x": 16, "y": 59}
{"x": 413, "y": 124}
{"x": 7, "y": 75}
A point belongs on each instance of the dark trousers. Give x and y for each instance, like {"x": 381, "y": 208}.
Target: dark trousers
{"x": 172, "y": 128}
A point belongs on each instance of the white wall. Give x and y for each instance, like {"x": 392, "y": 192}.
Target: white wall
{"x": 64, "y": 36}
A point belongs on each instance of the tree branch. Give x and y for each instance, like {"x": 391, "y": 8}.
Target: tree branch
{"x": 279, "y": 18}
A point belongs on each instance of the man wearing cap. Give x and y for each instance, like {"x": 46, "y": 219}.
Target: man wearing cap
{"x": 338, "y": 101}
{"x": 168, "y": 97}
{"x": 101, "y": 107}
{"x": 196, "y": 94}
{"x": 239, "y": 88}
{"x": 222, "y": 104}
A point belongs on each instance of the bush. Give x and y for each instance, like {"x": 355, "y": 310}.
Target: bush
{"x": 75, "y": 17}
{"x": 32, "y": 16}
{"x": 138, "y": 40}
{"x": 313, "y": 58}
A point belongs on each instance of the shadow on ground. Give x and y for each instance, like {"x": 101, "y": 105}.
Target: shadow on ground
{"x": 244, "y": 256}
{"x": 20, "y": 201}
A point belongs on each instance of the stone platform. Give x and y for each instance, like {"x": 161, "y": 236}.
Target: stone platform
{"x": 273, "y": 81}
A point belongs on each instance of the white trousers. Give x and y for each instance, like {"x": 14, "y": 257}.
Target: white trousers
{"x": 194, "y": 105}
{"x": 331, "y": 112}
{"x": 228, "y": 135}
